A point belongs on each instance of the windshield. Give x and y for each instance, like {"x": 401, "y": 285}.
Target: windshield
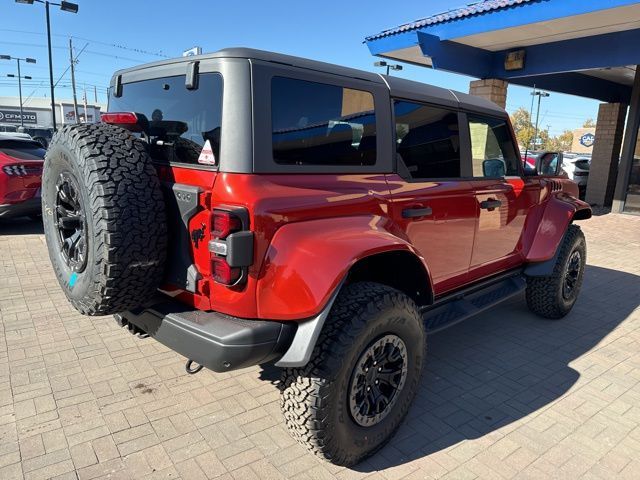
{"x": 183, "y": 125}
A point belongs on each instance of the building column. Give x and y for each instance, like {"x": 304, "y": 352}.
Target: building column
{"x": 630, "y": 146}
{"x": 491, "y": 89}
{"x": 606, "y": 153}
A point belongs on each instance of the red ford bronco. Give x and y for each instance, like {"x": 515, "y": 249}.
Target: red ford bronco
{"x": 246, "y": 207}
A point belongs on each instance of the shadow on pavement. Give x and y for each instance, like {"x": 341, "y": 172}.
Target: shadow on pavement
{"x": 503, "y": 365}
{"x": 20, "y": 226}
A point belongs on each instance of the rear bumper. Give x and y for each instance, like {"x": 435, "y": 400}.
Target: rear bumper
{"x": 216, "y": 341}
{"x": 21, "y": 209}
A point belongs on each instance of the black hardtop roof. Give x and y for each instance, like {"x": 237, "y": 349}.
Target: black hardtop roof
{"x": 399, "y": 87}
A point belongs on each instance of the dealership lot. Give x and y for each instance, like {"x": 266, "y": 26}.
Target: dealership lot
{"x": 505, "y": 394}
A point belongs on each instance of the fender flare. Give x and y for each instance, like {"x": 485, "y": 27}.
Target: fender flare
{"x": 307, "y": 261}
{"x": 561, "y": 210}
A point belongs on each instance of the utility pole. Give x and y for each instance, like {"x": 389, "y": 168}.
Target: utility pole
{"x": 95, "y": 94}
{"x": 73, "y": 81}
{"x": 86, "y": 116}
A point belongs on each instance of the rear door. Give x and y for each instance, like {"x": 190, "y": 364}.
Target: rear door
{"x": 502, "y": 201}
{"x": 433, "y": 205}
{"x": 184, "y": 129}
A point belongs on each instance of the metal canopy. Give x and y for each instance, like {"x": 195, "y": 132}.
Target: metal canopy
{"x": 585, "y": 48}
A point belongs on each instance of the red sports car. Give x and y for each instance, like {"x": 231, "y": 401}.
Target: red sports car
{"x": 21, "y": 162}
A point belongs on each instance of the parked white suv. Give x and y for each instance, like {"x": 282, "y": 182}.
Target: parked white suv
{"x": 578, "y": 170}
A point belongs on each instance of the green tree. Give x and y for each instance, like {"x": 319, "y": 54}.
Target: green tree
{"x": 561, "y": 142}
{"x": 524, "y": 129}
{"x": 588, "y": 123}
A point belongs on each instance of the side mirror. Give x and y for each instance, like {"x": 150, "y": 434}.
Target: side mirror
{"x": 493, "y": 168}
{"x": 549, "y": 164}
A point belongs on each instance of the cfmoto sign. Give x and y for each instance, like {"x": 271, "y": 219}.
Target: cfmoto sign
{"x": 10, "y": 116}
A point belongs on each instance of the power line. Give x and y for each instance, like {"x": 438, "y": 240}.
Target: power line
{"x": 57, "y": 47}
{"x": 112, "y": 45}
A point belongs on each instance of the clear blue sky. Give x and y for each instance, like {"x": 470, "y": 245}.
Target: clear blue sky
{"x": 125, "y": 33}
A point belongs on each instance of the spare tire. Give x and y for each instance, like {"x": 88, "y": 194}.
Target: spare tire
{"x": 104, "y": 218}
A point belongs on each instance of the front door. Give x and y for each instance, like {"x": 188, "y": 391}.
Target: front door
{"x": 431, "y": 203}
{"x": 502, "y": 200}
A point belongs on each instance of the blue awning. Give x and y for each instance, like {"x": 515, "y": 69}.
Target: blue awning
{"x": 586, "y": 48}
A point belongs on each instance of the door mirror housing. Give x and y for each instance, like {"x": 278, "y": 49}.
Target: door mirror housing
{"x": 493, "y": 168}
{"x": 549, "y": 164}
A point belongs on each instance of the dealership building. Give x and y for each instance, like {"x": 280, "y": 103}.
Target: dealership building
{"x": 584, "y": 48}
{"x": 37, "y": 112}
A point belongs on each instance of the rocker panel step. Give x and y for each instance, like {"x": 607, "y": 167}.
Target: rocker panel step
{"x": 463, "y": 306}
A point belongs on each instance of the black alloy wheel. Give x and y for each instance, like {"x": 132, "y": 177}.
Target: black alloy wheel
{"x": 379, "y": 376}
{"x": 572, "y": 274}
{"x": 70, "y": 222}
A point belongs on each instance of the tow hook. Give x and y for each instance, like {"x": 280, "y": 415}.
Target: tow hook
{"x": 190, "y": 370}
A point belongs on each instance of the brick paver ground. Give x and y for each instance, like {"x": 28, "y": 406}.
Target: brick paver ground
{"x": 505, "y": 394}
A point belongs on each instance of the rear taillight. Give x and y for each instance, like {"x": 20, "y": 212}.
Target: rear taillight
{"x": 223, "y": 273}
{"x": 225, "y": 223}
{"x": 15, "y": 170}
{"x": 232, "y": 245}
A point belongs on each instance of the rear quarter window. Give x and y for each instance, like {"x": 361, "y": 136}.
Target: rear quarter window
{"x": 181, "y": 121}
{"x": 321, "y": 124}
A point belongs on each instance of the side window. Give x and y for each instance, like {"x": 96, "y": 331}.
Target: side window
{"x": 427, "y": 140}
{"x": 492, "y": 149}
{"x": 321, "y": 124}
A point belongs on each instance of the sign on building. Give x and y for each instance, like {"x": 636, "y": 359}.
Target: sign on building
{"x": 587, "y": 140}
{"x": 583, "y": 140}
{"x": 13, "y": 117}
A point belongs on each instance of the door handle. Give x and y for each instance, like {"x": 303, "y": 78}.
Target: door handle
{"x": 490, "y": 204}
{"x": 416, "y": 212}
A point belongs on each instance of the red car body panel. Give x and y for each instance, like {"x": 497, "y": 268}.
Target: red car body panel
{"x": 309, "y": 230}
{"x": 450, "y": 227}
{"x": 301, "y": 272}
{"x": 16, "y": 189}
{"x": 277, "y": 200}
{"x": 205, "y": 180}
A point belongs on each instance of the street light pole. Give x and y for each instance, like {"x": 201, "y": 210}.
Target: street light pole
{"x": 66, "y": 7}
{"x": 540, "y": 94}
{"x": 20, "y": 93}
{"x": 28, "y": 60}
{"x": 53, "y": 99}
{"x": 389, "y": 66}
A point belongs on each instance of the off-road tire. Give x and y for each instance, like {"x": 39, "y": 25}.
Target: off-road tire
{"x": 315, "y": 399}
{"x": 124, "y": 214}
{"x": 545, "y": 294}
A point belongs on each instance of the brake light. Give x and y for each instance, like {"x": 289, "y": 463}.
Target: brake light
{"x": 223, "y": 273}
{"x": 128, "y": 120}
{"x": 225, "y": 223}
{"x": 231, "y": 245}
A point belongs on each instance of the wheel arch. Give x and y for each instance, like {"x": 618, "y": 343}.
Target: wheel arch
{"x": 399, "y": 269}
{"x": 297, "y": 283}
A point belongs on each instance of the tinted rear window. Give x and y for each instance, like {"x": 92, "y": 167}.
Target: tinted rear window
{"x": 427, "y": 140}
{"x": 181, "y": 121}
{"x": 321, "y": 124}
{"x": 22, "y": 150}
{"x": 583, "y": 164}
